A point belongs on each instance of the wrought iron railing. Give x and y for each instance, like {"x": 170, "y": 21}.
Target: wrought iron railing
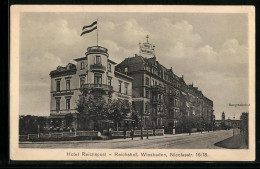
{"x": 97, "y": 67}
{"x": 157, "y": 88}
{"x": 96, "y": 49}
{"x": 98, "y": 86}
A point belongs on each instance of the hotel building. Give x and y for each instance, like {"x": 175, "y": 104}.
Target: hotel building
{"x": 95, "y": 72}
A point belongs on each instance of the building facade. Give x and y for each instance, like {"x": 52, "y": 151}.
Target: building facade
{"x": 93, "y": 71}
{"x": 161, "y": 97}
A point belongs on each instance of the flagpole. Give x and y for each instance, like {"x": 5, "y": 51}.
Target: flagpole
{"x": 97, "y": 31}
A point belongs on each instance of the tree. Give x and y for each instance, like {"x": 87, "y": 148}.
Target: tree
{"x": 29, "y": 124}
{"x": 118, "y": 110}
{"x": 182, "y": 122}
{"x": 91, "y": 108}
{"x": 192, "y": 122}
{"x": 68, "y": 119}
{"x": 41, "y": 121}
{"x": 244, "y": 126}
{"x": 134, "y": 116}
{"x": 244, "y": 122}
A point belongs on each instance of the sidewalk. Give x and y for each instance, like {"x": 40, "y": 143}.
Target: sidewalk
{"x": 235, "y": 142}
{"x": 137, "y": 138}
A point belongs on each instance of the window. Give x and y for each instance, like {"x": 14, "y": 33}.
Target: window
{"x": 154, "y": 98}
{"x": 126, "y": 88}
{"x": 170, "y": 101}
{"x": 97, "y": 79}
{"x": 147, "y": 81}
{"x": 58, "y": 85}
{"x": 146, "y": 107}
{"x": 155, "y": 83}
{"x": 67, "y": 84}
{"x": 67, "y": 104}
{"x": 175, "y": 102}
{"x": 98, "y": 60}
{"x": 82, "y": 66}
{"x": 119, "y": 87}
{"x": 126, "y": 69}
{"x": 174, "y": 113}
{"x": 109, "y": 67}
{"x": 109, "y": 82}
{"x": 82, "y": 81}
{"x": 152, "y": 82}
{"x": 147, "y": 93}
{"x": 57, "y": 105}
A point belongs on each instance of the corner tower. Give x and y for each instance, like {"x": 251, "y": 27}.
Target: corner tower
{"x": 223, "y": 117}
{"x": 97, "y": 58}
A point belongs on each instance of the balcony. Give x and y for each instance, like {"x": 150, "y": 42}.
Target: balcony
{"x": 63, "y": 93}
{"x": 156, "y": 101}
{"x": 97, "y": 67}
{"x": 98, "y": 86}
{"x": 171, "y": 95}
{"x": 97, "y": 50}
{"x": 157, "y": 88}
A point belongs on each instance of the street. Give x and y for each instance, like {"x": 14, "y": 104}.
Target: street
{"x": 203, "y": 140}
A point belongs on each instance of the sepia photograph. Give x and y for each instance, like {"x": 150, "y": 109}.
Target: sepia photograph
{"x": 132, "y": 83}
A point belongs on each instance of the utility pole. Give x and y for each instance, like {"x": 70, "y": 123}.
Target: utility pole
{"x": 233, "y": 126}
{"x": 146, "y": 128}
{"x": 142, "y": 128}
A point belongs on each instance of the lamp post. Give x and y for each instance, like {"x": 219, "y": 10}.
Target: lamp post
{"x": 146, "y": 128}
{"x": 233, "y": 126}
{"x": 142, "y": 128}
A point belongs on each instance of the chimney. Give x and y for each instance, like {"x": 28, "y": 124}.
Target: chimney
{"x": 182, "y": 76}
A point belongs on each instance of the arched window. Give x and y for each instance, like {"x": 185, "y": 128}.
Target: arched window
{"x": 82, "y": 66}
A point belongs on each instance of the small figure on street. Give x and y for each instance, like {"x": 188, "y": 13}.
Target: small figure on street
{"x": 110, "y": 133}
{"x": 124, "y": 132}
{"x": 132, "y": 134}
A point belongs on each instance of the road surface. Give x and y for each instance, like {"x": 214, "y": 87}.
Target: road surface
{"x": 203, "y": 140}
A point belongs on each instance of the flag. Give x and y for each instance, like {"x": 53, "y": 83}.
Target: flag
{"x": 89, "y": 28}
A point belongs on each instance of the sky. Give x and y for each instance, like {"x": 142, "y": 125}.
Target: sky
{"x": 210, "y": 50}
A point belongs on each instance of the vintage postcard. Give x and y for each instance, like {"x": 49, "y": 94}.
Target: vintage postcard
{"x": 132, "y": 83}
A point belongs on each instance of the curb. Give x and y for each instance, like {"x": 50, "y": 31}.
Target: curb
{"x": 115, "y": 140}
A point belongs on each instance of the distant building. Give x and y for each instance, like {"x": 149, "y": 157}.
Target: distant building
{"x": 226, "y": 123}
{"x": 223, "y": 117}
